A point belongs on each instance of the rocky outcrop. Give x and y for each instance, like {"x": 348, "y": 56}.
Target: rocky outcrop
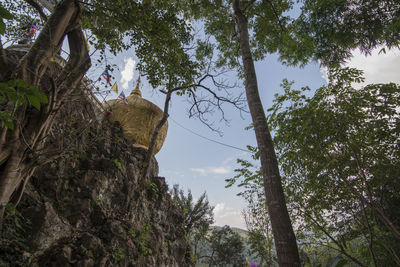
{"x": 90, "y": 205}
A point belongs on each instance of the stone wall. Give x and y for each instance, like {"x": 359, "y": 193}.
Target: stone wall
{"x": 90, "y": 206}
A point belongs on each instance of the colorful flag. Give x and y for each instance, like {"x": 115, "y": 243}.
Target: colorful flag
{"x": 30, "y": 29}
{"x": 123, "y": 97}
{"x": 33, "y": 28}
{"x": 107, "y": 77}
{"x": 115, "y": 88}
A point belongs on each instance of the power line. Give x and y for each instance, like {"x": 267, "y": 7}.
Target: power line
{"x": 209, "y": 139}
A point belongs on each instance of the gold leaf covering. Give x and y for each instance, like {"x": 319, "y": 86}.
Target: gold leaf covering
{"x": 138, "y": 119}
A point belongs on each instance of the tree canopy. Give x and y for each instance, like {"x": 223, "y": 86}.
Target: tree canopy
{"x": 334, "y": 28}
{"x": 197, "y": 213}
{"x": 339, "y": 158}
{"x": 155, "y": 30}
{"x": 324, "y": 30}
{"x": 222, "y": 246}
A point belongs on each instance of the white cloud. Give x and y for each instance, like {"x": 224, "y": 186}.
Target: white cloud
{"x": 225, "y": 215}
{"x": 229, "y": 160}
{"x": 212, "y": 170}
{"x": 377, "y": 67}
{"x": 220, "y": 170}
{"x": 199, "y": 170}
{"x": 127, "y": 72}
{"x": 324, "y": 73}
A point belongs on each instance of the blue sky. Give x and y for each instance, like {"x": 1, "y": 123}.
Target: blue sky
{"x": 201, "y": 165}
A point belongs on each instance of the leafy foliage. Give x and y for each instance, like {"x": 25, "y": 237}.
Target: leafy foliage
{"x": 4, "y": 14}
{"x": 196, "y": 214}
{"x": 13, "y": 237}
{"x": 338, "y": 152}
{"x": 17, "y": 92}
{"x": 227, "y": 248}
{"x": 334, "y": 28}
{"x": 261, "y": 245}
{"x": 344, "y": 139}
{"x": 153, "y": 28}
{"x": 20, "y": 15}
{"x": 314, "y": 35}
{"x": 324, "y": 30}
{"x": 270, "y": 26}
{"x": 249, "y": 178}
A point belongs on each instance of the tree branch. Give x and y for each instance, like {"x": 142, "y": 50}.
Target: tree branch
{"x": 38, "y": 8}
{"x": 248, "y": 5}
{"x": 34, "y": 64}
{"x": 276, "y": 15}
{"x": 236, "y": 102}
{"x": 342, "y": 250}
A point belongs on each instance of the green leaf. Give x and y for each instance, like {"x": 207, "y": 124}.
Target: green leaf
{"x": 6, "y": 120}
{"x": 42, "y": 98}
{"x": 2, "y": 27}
{"x": 34, "y": 101}
{"x": 4, "y": 14}
{"x": 9, "y": 124}
{"x": 21, "y": 83}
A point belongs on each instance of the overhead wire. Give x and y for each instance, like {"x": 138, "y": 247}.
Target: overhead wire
{"x": 208, "y": 139}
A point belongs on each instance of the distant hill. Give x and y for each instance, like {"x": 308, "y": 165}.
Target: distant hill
{"x": 243, "y": 233}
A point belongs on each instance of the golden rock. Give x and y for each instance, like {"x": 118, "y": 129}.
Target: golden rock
{"x": 138, "y": 118}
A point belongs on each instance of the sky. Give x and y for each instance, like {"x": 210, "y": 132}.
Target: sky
{"x": 200, "y": 165}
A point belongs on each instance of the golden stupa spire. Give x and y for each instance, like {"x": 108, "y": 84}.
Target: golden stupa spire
{"x": 139, "y": 119}
{"x": 136, "y": 91}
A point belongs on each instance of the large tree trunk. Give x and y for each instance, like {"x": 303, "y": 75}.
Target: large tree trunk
{"x": 285, "y": 240}
{"x": 20, "y": 148}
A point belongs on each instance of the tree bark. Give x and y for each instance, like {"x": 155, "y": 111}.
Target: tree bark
{"x": 285, "y": 240}
{"x": 18, "y": 148}
{"x": 156, "y": 131}
{"x": 3, "y": 61}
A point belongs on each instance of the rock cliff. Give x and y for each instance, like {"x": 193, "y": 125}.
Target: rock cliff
{"x": 90, "y": 206}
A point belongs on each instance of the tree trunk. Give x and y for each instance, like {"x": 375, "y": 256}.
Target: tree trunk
{"x": 156, "y": 131}
{"x": 19, "y": 149}
{"x": 285, "y": 240}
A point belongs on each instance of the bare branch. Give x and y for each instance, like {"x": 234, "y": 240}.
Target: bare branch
{"x": 199, "y": 108}
{"x": 38, "y": 8}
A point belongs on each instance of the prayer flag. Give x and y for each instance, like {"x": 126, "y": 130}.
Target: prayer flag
{"x": 33, "y": 28}
{"x": 123, "y": 97}
{"x": 107, "y": 77}
{"x": 115, "y": 88}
